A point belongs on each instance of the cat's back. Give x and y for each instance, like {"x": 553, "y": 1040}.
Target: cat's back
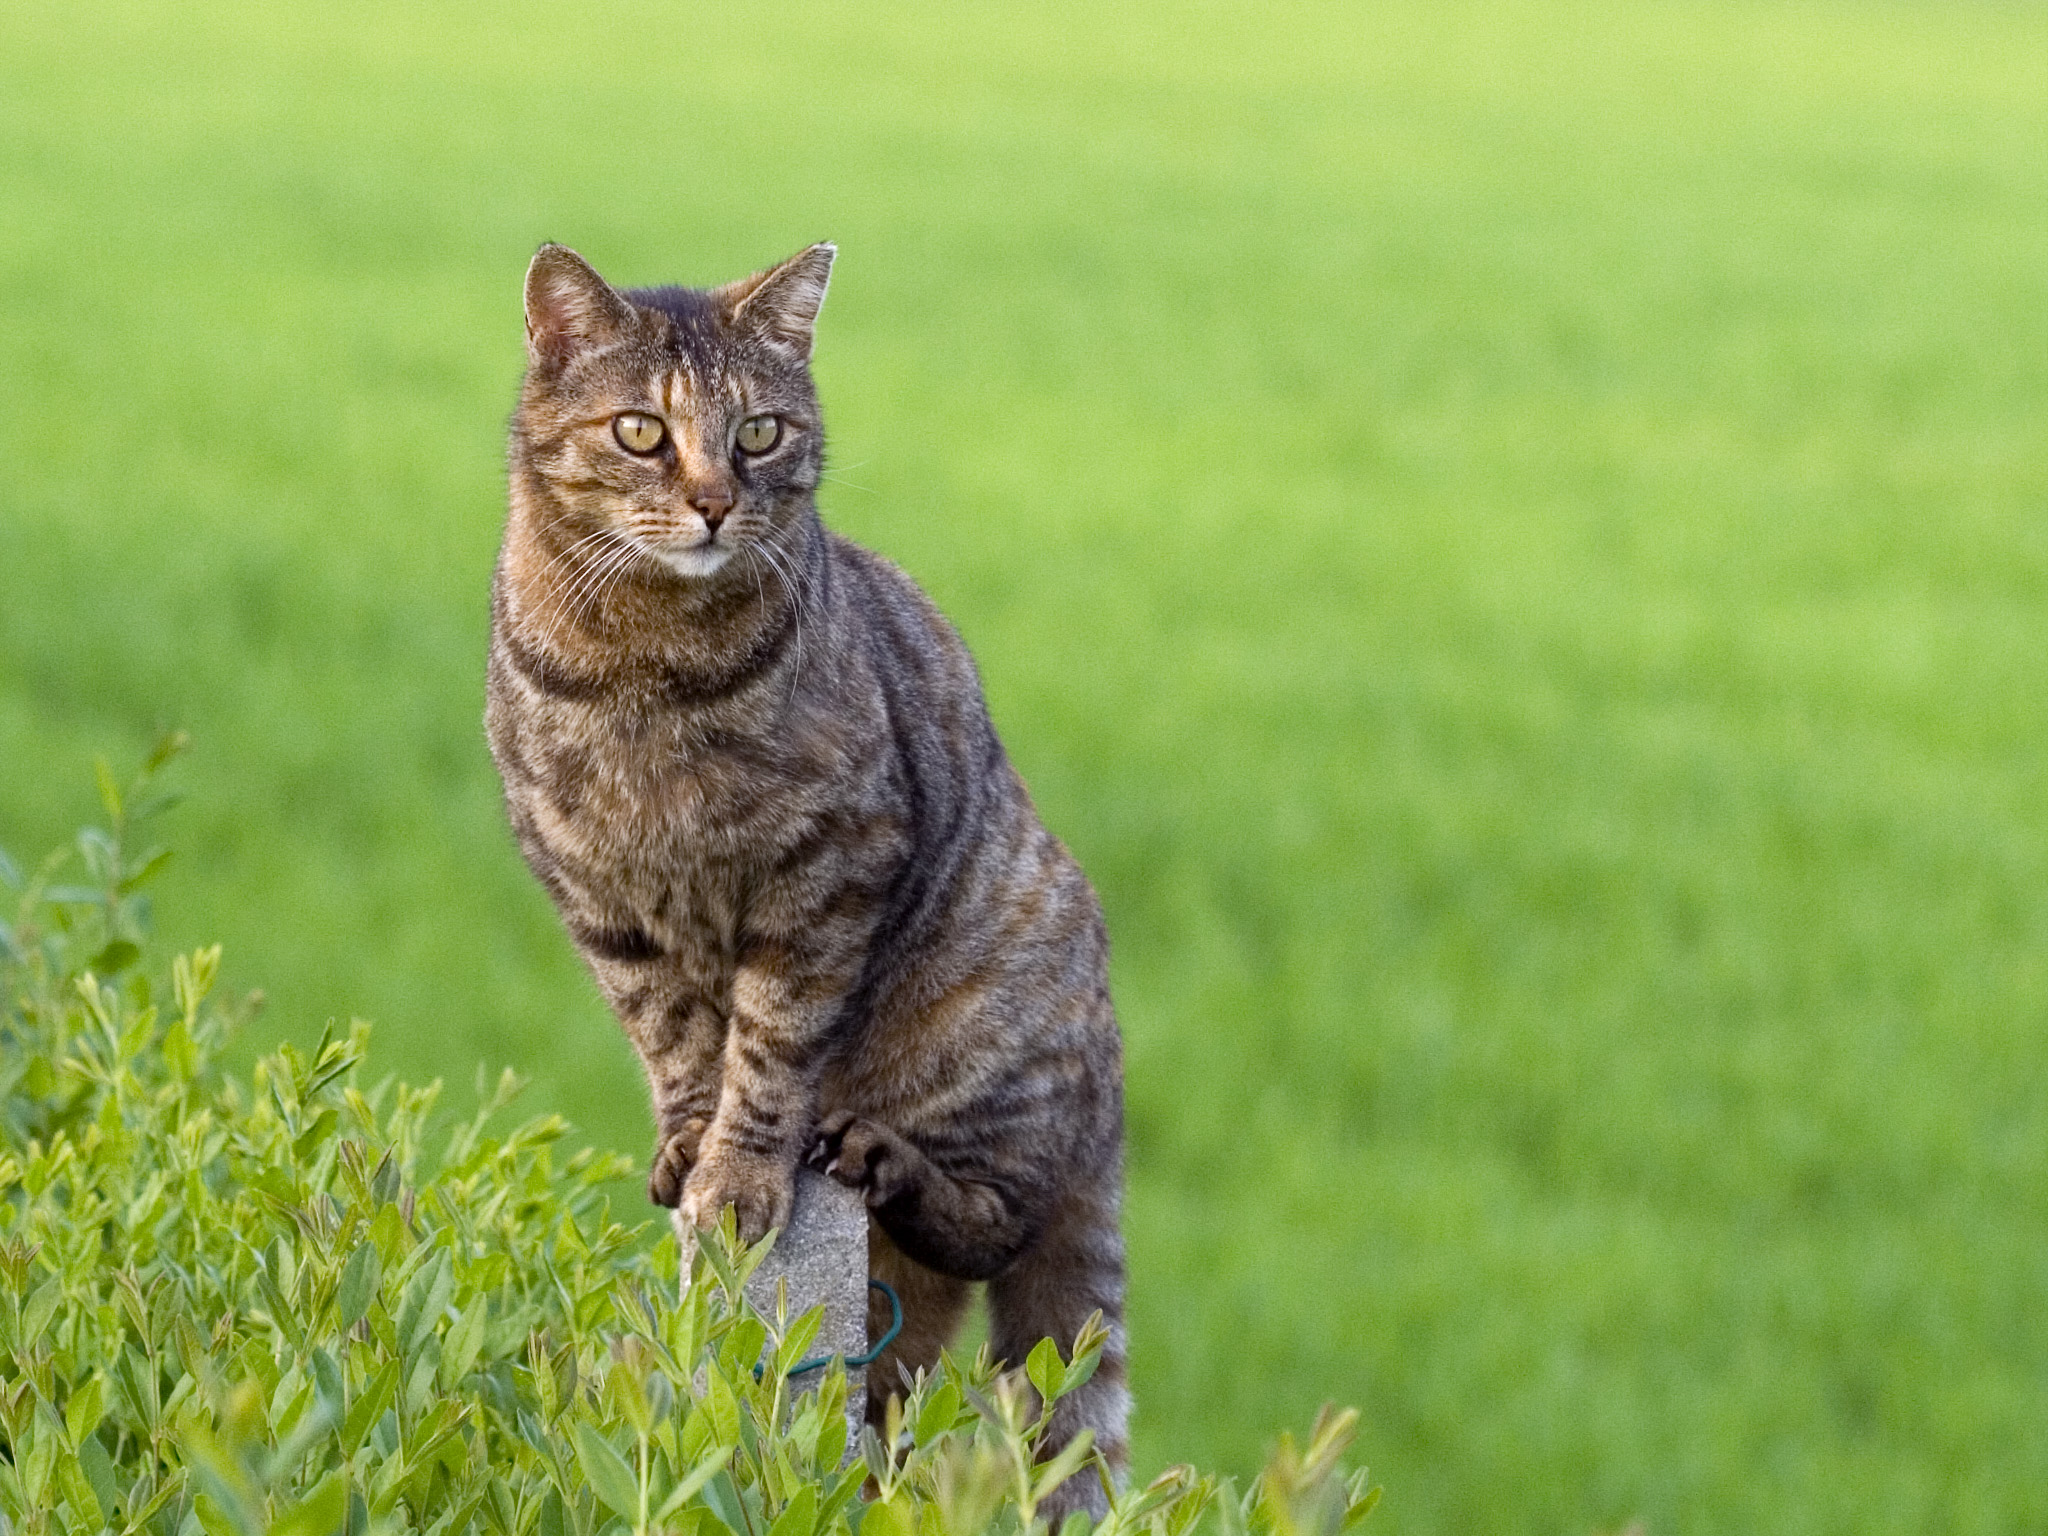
{"x": 989, "y": 888}
{"x": 964, "y": 796}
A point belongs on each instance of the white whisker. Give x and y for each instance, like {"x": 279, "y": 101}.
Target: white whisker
{"x": 591, "y": 582}
{"x": 780, "y": 560}
{"x": 564, "y": 599}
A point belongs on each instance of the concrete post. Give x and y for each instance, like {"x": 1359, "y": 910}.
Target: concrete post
{"x": 824, "y": 1257}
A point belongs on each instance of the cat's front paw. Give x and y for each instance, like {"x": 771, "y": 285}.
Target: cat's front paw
{"x": 674, "y": 1156}
{"x": 866, "y": 1155}
{"x": 760, "y": 1190}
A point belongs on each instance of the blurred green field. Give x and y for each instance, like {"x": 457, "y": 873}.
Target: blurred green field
{"x": 1511, "y": 539}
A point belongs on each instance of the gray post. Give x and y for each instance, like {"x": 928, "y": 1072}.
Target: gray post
{"x": 823, "y": 1255}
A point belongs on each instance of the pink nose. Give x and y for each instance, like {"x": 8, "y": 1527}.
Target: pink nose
{"x": 712, "y": 504}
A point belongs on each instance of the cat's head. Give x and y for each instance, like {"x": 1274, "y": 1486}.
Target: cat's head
{"x": 680, "y": 420}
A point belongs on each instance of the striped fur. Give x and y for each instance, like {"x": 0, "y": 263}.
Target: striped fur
{"x": 751, "y": 764}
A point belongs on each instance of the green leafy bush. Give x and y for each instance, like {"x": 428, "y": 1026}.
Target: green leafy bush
{"x": 298, "y": 1305}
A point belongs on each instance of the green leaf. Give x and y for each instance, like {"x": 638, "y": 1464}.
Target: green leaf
{"x": 172, "y": 1486}
{"x": 384, "y": 1182}
{"x": 693, "y": 1484}
{"x": 937, "y": 1416}
{"x": 1087, "y": 1355}
{"x": 1362, "y": 1506}
{"x": 34, "y": 1469}
{"x": 889, "y": 1517}
{"x": 137, "y": 1381}
{"x": 145, "y": 872}
{"x": 1062, "y": 1466}
{"x": 609, "y": 1476}
{"x": 744, "y": 1344}
{"x": 843, "y": 1493}
{"x": 464, "y": 1342}
{"x": 168, "y": 746}
{"x": 796, "y": 1343}
{"x": 419, "y": 1386}
{"x": 713, "y": 1251}
{"x": 110, "y": 792}
{"x": 181, "y": 1054}
{"x": 319, "y": 1513}
{"x": 87, "y": 1407}
{"x": 800, "y": 1517}
{"x": 369, "y": 1407}
{"x": 625, "y": 1388}
{"x": 1048, "y": 1372}
{"x": 723, "y": 1497}
{"x": 873, "y": 1455}
{"x": 722, "y": 1405}
{"x": 214, "y": 1520}
{"x": 115, "y": 958}
{"x": 359, "y": 1281}
{"x": 77, "y": 1486}
{"x": 40, "y": 1308}
{"x": 426, "y": 1299}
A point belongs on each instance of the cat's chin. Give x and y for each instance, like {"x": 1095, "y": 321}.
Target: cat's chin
{"x": 698, "y": 561}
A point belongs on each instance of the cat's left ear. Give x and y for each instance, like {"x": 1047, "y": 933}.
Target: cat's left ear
{"x": 781, "y": 305}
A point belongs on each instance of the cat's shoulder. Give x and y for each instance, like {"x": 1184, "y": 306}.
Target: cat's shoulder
{"x": 899, "y": 614}
{"x": 876, "y": 580}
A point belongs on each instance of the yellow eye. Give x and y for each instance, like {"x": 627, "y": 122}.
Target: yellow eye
{"x": 759, "y": 433}
{"x": 638, "y": 432}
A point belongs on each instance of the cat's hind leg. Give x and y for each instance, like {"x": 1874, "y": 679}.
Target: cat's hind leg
{"x": 933, "y": 1307}
{"x": 966, "y": 1228}
{"x": 1075, "y": 1269}
{"x": 1048, "y": 1270}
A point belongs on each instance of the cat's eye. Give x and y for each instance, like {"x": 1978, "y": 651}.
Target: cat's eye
{"x": 758, "y": 434}
{"x": 638, "y": 432}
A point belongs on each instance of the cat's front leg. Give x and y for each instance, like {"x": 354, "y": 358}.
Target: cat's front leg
{"x": 677, "y": 1142}
{"x": 803, "y": 943}
{"x": 784, "y": 1004}
{"x": 680, "y": 1038}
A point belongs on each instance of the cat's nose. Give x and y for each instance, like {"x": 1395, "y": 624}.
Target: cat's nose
{"x": 712, "y": 503}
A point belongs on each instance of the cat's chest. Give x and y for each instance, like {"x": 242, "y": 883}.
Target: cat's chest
{"x": 662, "y": 823}
{"x": 657, "y": 801}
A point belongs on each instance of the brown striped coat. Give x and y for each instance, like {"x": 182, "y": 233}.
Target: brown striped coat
{"x": 751, "y": 763}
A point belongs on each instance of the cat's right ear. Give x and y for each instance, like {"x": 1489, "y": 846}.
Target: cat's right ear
{"x": 569, "y": 308}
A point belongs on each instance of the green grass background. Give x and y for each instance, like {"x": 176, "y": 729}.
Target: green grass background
{"x": 1512, "y": 540}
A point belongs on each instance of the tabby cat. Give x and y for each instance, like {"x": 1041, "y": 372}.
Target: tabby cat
{"x": 752, "y": 765}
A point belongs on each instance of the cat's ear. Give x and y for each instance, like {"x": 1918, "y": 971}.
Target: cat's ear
{"x": 569, "y": 308}
{"x": 781, "y": 305}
